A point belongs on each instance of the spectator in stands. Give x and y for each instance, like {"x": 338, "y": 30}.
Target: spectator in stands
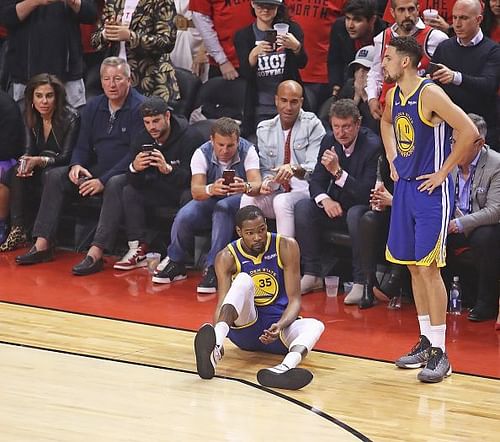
{"x": 348, "y": 35}
{"x": 475, "y": 224}
{"x": 266, "y": 64}
{"x": 316, "y": 21}
{"x": 144, "y": 36}
{"x": 189, "y": 51}
{"x": 217, "y": 21}
{"x": 491, "y": 20}
{"x": 443, "y": 20}
{"x": 159, "y": 174}
{"x": 44, "y": 36}
{"x": 470, "y": 67}
{"x": 11, "y": 139}
{"x": 405, "y": 12}
{"x": 288, "y": 149}
{"x": 52, "y": 127}
{"x": 98, "y": 164}
{"x": 340, "y": 191}
{"x": 216, "y": 199}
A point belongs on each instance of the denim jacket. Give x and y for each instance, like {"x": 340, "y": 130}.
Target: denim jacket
{"x": 307, "y": 133}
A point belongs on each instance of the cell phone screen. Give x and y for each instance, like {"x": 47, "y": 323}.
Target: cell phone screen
{"x": 147, "y": 147}
{"x": 228, "y": 176}
{"x": 270, "y": 36}
{"x": 433, "y": 67}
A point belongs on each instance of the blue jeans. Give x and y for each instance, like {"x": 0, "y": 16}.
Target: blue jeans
{"x": 195, "y": 216}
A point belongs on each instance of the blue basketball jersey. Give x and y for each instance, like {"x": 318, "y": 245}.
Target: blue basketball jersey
{"x": 266, "y": 271}
{"x": 422, "y": 147}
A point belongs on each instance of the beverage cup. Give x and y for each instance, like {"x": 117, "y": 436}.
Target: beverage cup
{"x": 153, "y": 259}
{"x": 281, "y": 29}
{"x": 430, "y": 14}
{"x": 332, "y": 285}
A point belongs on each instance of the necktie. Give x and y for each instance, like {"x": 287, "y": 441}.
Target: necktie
{"x": 287, "y": 186}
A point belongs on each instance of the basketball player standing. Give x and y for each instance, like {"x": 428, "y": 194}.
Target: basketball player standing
{"x": 416, "y": 131}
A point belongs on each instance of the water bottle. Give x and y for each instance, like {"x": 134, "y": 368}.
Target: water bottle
{"x": 455, "y": 301}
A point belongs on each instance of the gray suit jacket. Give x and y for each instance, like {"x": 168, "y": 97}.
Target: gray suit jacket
{"x": 485, "y": 192}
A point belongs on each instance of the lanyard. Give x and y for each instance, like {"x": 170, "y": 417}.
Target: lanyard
{"x": 457, "y": 188}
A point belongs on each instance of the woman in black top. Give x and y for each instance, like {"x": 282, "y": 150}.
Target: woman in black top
{"x": 51, "y": 130}
{"x": 264, "y": 63}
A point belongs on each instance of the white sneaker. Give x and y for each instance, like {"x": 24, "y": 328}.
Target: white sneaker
{"x": 134, "y": 258}
{"x": 310, "y": 283}
{"x": 206, "y": 351}
{"x": 354, "y": 295}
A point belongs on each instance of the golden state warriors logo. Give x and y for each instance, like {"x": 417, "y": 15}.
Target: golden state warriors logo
{"x": 405, "y": 134}
{"x": 266, "y": 287}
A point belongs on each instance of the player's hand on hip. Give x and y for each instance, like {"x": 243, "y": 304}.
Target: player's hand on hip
{"x": 271, "y": 334}
{"x": 431, "y": 181}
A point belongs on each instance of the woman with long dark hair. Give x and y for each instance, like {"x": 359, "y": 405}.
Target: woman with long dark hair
{"x": 266, "y": 59}
{"x": 52, "y": 127}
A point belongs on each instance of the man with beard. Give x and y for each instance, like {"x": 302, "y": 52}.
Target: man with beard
{"x": 405, "y": 13}
{"x": 416, "y": 131}
{"x": 259, "y": 304}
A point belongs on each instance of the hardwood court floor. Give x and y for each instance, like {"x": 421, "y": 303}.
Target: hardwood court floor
{"x": 376, "y": 333}
{"x": 137, "y": 383}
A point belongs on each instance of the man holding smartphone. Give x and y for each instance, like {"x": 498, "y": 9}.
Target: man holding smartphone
{"x": 158, "y": 175}
{"x": 214, "y": 203}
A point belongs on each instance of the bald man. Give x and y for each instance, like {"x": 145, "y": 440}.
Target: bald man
{"x": 288, "y": 148}
{"x": 470, "y": 66}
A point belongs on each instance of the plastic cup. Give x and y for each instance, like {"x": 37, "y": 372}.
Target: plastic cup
{"x": 153, "y": 259}
{"x": 430, "y": 14}
{"x": 332, "y": 285}
{"x": 281, "y": 28}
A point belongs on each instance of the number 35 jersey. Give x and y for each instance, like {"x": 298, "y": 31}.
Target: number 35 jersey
{"x": 266, "y": 271}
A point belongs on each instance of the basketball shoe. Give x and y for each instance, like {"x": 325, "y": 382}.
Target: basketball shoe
{"x": 418, "y": 355}
{"x": 438, "y": 367}
{"x": 206, "y": 351}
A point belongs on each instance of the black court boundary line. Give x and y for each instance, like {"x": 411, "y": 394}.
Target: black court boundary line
{"x": 168, "y": 327}
{"x": 301, "y": 404}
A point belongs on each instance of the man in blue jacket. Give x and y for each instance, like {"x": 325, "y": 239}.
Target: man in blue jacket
{"x": 98, "y": 164}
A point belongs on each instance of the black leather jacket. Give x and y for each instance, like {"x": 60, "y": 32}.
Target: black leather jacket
{"x": 65, "y": 134}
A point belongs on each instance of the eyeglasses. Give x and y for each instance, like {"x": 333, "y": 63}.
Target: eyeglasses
{"x": 111, "y": 122}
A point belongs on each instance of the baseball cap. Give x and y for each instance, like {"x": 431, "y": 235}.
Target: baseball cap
{"x": 269, "y": 2}
{"x": 364, "y": 57}
{"x": 154, "y": 106}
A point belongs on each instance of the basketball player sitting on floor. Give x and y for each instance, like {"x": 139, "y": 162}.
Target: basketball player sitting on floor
{"x": 259, "y": 304}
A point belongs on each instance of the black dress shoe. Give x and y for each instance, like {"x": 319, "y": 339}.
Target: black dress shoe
{"x": 368, "y": 298}
{"x": 479, "y": 315}
{"x": 388, "y": 289}
{"x": 35, "y": 256}
{"x": 88, "y": 266}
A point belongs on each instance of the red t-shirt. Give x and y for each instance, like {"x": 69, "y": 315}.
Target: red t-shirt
{"x": 228, "y": 16}
{"x": 3, "y": 32}
{"x": 444, "y": 7}
{"x": 316, "y": 19}
{"x": 495, "y": 33}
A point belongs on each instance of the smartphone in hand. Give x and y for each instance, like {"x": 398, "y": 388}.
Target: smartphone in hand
{"x": 148, "y": 148}
{"x": 228, "y": 176}
{"x": 432, "y": 68}
{"x": 270, "y": 36}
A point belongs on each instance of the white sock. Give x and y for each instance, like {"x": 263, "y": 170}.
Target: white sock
{"x": 221, "y": 331}
{"x": 291, "y": 360}
{"x": 438, "y": 336}
{"x": 425, "y": 326}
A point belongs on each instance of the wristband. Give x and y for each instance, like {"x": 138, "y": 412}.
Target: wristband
{"x": 208, "y": 189}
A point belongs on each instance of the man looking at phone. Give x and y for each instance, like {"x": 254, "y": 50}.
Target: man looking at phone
{"x": 158, "y": 175}
{"x": 215, "y": 201}
{"x": 100, "y": 159}
{"x": 288, "y": 150}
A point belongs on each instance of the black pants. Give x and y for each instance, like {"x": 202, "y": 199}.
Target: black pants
{"x": 137, "y": 201}
{"x": 310, "y": 220}
{"x": 58, "y": 187}
{"x": 373, "y": 231}
{"x": 484, "y": 243}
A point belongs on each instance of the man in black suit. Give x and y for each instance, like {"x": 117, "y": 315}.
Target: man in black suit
{"x": 340, "y": 191}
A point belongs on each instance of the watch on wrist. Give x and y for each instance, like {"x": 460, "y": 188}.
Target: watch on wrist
{"x": 248, "y": 187}
{"x": 338, "y": 173}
